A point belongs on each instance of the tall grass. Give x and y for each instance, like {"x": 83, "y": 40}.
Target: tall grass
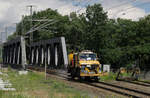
{"x": 112, "y": 76}
{"x": 109, "y": 77}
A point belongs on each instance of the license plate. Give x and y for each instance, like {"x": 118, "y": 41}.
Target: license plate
{"x": 91, "y": 72}
{"x": 88, "y": 65}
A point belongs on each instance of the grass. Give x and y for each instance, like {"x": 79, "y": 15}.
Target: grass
{"x": 34, "y": 85}
{"x": 112, "y": 76}
{"x": 109, "y": 77}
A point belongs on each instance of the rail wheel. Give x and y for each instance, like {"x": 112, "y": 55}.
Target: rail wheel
{"x": 73, "y": 71}
{"x": 88, "y": 78}
{"x": 96, "y": 78}
{"x": 81, "y": 79}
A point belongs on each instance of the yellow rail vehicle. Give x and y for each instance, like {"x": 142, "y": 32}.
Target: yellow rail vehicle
{"x": 84, "y": 65}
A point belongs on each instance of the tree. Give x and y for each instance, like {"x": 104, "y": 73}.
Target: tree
{"x": 96, "y": 20}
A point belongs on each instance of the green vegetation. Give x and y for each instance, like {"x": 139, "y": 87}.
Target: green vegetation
{"x": 111, "y": 76}
{"x": 34, "y": 85}
{"x": 118, "y": 42}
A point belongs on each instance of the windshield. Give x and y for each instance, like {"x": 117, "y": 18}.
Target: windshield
{"x": 91, "y": 56}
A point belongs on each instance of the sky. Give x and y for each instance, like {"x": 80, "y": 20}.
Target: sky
{"x": 11, "y": 11}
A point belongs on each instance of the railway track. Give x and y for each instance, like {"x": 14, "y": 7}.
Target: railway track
{"x": 106, "y": 87}
{"x": 144, "y": 82}
{"x": 122, "y": 90}
{"x": 138, "y": 82}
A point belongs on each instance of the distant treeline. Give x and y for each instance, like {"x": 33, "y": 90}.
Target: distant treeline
{"x": 118, "y": 42}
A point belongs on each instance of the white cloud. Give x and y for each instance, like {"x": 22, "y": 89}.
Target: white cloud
{"x": 124, "y": 10}
{"x": 67, "y": 9}
{"x": 133, "y": 14}
{"x": 4, "y": 8}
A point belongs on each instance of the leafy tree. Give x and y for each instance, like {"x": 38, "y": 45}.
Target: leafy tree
{"x": 96, "y": 20}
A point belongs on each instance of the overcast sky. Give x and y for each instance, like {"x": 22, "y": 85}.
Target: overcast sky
{"x": 11, "y": 11}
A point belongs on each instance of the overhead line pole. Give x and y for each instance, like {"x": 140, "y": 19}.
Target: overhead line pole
{"x": 1, "y": 36}
{"x": 16, "y": 29}
{"x": 22, "y": 24}
{"x": 6, "y": 32}
{"x": 31, "y": 34}
{"x": 31, "y": 13}
{"x": 1, "y": 44}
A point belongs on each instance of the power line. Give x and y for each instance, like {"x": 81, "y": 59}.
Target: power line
{"x": 129, "y": 8}
{"x": 120, "y": 4}
{"x": 137, "y": 5}
{"x": 40, "y": 20}
{"x": 41, "y": 26}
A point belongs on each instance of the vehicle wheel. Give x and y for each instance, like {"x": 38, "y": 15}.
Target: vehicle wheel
{"x": 68, "y": 70}
{"x": 96, "y": 79}
{"x": 78, "y": 72}
{"x": 88, "y": 78}
{"x": 81, "y": 79}
{"x": 72, "y": 73}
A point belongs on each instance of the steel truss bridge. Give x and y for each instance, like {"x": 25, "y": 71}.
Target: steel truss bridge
{"x": 51, "y": 52}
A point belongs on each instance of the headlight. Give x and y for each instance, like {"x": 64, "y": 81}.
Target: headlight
{"x": 82, "y": 66}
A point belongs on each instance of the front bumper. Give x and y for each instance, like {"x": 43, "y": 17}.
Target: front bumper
{"x": 92, "y": 75}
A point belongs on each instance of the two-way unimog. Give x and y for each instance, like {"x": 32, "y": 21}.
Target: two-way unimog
{"x": 84, "y": 64}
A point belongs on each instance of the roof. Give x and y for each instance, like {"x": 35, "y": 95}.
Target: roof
{"x": 86, "y": 51}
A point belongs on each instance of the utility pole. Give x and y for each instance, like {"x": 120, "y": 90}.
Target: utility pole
{"x": 6, "y": 32}
{"x": 22, "y": 30}
{"x": 1, "y": 37}
{"x": 45, "y": 54}
{"x": 1, "y": 50}
{"x": 16, "y": 30}
{"x": 31, "y": 13}
{"x": 1, "y": 41}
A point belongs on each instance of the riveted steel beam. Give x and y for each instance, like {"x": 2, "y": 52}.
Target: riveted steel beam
{"x": 56, "y": 53}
